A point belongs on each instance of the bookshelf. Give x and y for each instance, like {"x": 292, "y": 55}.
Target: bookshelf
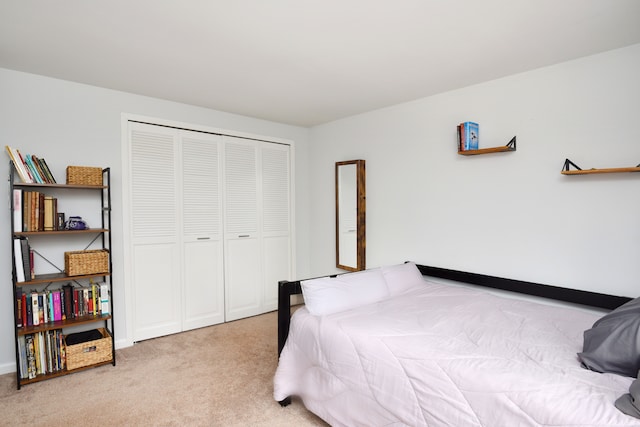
{"x": 70, "y": 301}
{"x": 511, "y": 146}
{"x": 566, "y": 169}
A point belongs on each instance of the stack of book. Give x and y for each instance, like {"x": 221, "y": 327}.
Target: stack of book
{"x": 41, "y": 353}
{"x": 45, "y": 307}
{"x": 31, "y": 169}
{"x": 34, "y": 211}
{"x": 468, "y": 136}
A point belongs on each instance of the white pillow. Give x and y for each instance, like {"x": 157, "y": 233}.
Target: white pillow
{"x": 328, "y": 295}
{"x": 402, "y": 277}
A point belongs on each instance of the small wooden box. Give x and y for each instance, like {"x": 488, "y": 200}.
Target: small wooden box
{"x": 89, "y": 352}
{"x": 84, "y": 175}
{"x": 79, "y": 263}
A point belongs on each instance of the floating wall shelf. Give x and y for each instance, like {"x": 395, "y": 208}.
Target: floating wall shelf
{"x": 568, "y": 163}
{"x": 511, "y": 146}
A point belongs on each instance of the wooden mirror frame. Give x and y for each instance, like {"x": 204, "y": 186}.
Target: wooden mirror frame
{"x": 360, "y": 259}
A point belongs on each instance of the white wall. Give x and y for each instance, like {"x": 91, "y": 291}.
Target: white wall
{"x": 75, "y": 124}
{"x": 507, "y": 214}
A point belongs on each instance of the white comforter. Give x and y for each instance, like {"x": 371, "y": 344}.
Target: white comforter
{"x": 448, "y": 356}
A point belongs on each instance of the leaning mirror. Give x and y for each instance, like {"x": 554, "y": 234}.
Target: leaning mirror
{"x": 350, "y": 215}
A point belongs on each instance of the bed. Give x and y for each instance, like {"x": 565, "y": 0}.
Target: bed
{"x": 433, "y": 351}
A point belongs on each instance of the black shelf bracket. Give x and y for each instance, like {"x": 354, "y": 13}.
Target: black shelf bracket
{"x": 567, "y": 165}
{"x": 512, "y": 144}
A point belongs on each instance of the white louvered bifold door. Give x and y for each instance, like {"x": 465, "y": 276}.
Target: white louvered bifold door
{"x": 210, "y": 228}
{"x": 276, "y": 220}
{"x": 243, "y": 270}
{"x": 203, "y": 293}
{"x": 154, "y": 231}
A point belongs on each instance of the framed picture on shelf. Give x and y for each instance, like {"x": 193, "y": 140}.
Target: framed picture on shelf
{"x": 60, "y": 223}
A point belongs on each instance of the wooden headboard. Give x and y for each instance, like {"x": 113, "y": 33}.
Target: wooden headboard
{"x": 287, "y": 288}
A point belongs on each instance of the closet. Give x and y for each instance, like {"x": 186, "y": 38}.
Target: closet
{"x": 210, "y": 227}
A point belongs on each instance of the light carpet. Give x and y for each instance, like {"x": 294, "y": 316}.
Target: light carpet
{"x": 220, "y": 375}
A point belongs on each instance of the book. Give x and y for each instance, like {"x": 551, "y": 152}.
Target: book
{"x": 31, "y": 264}
{"x": 38, "y": 166}
{"x": 49, "y": 214}
{"x": 76, "y": 306}
{"x": 25, "y": 251}
{"x": 47, "y": 171}
{"x": 42, "y": 309}
{"x": 31, "y": 356}
{"x": 57, "y": 308}
{"x": 40, "y": 212}
{"x": 35, "y": 309}
{"x": 17, "y": 210}
{"x": 25, "y": 313}
{"x": 50, "y": 350}
{"x": 63, "y": 351}
{"x": 90, "y": 311}
{"x": 22, "y": 348}
{"x": 104, "y": 298}
{"x": 85, "y": 302}
{"x": 66, "y": 302}
{"x": 25, "y": 210}
{"x": 50, "y": 309}
{"x": 39, "y": 353}
{"x": 460, "y": 130}
{"x": 17, "y": 256}
{"x": 19, "y": 313}
{"x": 95, "y": 299}
{"x": 32, "y": 169}
{"x": 29, "y": 309}
{"x": 19, "y": 166}
{"x": 471, "y": 136}
{"x": 35, "y": 210}
{"x": 25, "y": 167}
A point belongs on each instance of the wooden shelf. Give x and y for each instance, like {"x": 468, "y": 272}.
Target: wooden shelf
{"x": 58, "y": 232}
{"x": 578, "y": 171}
{"x": 486, "y": 151}
{"x": 72, "y": 186}
{"x": 62, "y": 324}
{"x": 58, "y": 277}
{"x": 511, "y": 146}
{"x": 606, "y": 170}
{"x": 48, "y": 376}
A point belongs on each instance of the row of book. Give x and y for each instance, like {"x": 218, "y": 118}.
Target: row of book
{"x": 23, "y": 258}
{"x": 35, "y": 211}
{"x": 45, "y": 307}
{"x": 468, "y": 136}
{"x": 41, "y": 353}
{"x": 31, "y": 169}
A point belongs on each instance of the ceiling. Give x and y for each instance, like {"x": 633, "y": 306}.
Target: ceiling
{"x": 303, "y": 62}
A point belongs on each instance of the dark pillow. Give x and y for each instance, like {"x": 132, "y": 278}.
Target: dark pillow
{"x": 630, "y": 403}
{"x": 613, "y": 343}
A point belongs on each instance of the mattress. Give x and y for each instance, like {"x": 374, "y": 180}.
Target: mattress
{"x": 444, "y": 355}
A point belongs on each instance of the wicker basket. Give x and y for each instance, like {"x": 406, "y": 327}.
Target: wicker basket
{"x": 78, "y": 263}
{"x": 90, "y": 352}
{"x": 84, "y": 175}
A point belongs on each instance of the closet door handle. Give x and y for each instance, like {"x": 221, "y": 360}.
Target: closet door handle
{"x": 244, "y": 235}
{"x": 203, "y": 238}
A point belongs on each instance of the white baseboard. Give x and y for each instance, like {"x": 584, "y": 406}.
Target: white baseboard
{"x": 123, "y": 344}
{"x": 7, "y": 368}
